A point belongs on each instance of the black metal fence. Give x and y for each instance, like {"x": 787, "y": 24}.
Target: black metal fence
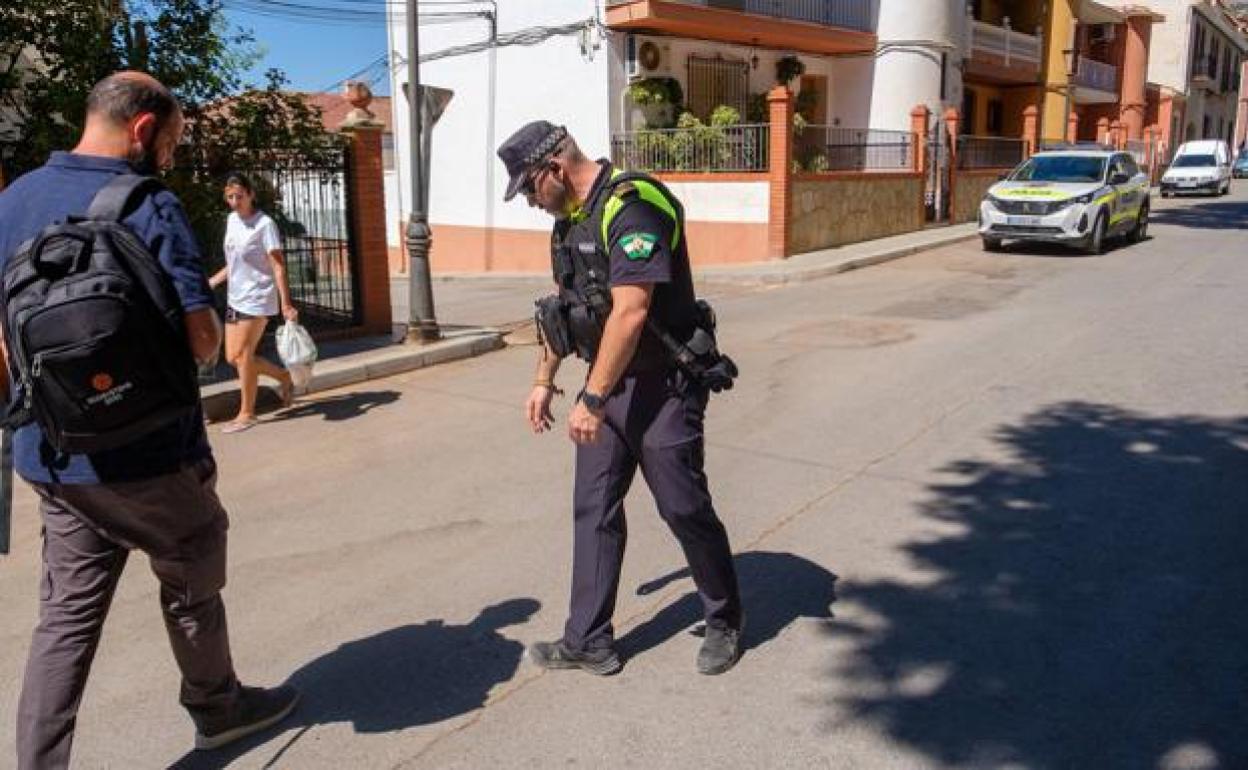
{"x": 741, "y": 148}
{"x": 308, "y": 196}
{"x": 832, "y": 148}
{"x": 978, "y": 152}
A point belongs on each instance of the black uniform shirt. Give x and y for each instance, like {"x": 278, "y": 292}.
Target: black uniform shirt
{"x": 640, "y": 241}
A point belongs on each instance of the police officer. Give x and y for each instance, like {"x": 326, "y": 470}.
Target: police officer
{"x": 620, "y": 258}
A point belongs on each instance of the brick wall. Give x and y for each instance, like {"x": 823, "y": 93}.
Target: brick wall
{"x": 969, "y": 189}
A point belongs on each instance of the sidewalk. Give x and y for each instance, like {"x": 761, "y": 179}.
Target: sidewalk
{"x": 477, "y": 310}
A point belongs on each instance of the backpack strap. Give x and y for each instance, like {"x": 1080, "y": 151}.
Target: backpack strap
{"x": 113, "y": 202}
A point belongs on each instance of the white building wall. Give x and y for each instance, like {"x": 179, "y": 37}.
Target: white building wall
{"x": 744, "y": 202}
{"x": 551, "y": 81}
{"x": 1169, "y": 51}
{"x": 908, "y": 64}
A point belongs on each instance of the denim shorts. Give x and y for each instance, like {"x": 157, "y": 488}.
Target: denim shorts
{"x": 233, "y": 316}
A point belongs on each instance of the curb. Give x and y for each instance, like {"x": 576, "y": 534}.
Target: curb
{"x": 799, "y": 274}
{"x": 219, "y": 399}
{"x": 825, "y": 263}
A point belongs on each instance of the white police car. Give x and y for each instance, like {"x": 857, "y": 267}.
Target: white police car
{"x": 1080, "y": 197}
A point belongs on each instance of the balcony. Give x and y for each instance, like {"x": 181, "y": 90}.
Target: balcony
{"x": 1097, "y": 81}
{"x": 1205, "y": 73}
{"x": 1000, "y": 54}
{"x": 808, "y": 26}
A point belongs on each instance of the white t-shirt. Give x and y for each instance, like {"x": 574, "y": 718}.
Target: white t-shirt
{"x": 252, "y": 289}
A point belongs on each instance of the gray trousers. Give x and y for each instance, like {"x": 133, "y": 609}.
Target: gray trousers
{"x": 88, "y": 531}
{"x": 653, "y": 424}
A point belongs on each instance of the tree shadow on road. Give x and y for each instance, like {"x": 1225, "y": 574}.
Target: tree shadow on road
{"x": 405, "y": 677}
{"x": 776, "y": 590}
{"x": 1089, "y": 611}
{"x": 1224, "y": 215}
{"x": 346, "y": 406}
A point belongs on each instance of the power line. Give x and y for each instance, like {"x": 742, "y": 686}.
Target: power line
{"x": 357, "y": 11}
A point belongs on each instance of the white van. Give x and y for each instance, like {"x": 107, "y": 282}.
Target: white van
{"x": 1203, "y": 166}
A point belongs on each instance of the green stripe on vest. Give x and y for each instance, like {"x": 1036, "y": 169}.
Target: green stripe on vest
{"x": 651, "y": 195}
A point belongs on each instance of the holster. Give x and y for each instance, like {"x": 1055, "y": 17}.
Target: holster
{"x": 698, "y": 357}
{"x": 553, "y": 327}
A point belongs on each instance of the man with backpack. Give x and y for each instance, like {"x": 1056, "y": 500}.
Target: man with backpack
{"x": 626, "y": 305}
{"x": 106, "y": 312}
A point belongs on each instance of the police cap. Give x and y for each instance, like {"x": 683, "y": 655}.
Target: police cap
{"x": 526, "y": 148}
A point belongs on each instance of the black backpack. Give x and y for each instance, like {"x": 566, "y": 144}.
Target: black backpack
{"x": 95, "y": 330}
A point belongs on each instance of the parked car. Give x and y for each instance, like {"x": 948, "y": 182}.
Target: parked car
{"x": 1202, "y": 166}
{"x": 1078, "y": 197}
{"x": 1240, "y": 169}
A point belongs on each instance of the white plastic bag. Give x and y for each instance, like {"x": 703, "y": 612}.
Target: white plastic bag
{"x": 297, "y": 351}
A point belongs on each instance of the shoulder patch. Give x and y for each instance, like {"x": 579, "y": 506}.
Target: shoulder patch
{"x": 639, "y": 246}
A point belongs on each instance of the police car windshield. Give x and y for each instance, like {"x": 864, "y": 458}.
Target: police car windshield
{"x": 1194, "y": 161}
{"x": 1061, "y": 168}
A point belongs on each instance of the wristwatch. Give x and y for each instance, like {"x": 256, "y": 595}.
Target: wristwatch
{"x": 593, "y": 401}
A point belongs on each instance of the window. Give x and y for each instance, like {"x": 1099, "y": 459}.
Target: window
{"x": 715, "y": 82}
{"x": 968, "y": 110}
{"x": 1129, "y": 165}
{"x": 1117, "y": 166}
{"x": 996, "y": 117}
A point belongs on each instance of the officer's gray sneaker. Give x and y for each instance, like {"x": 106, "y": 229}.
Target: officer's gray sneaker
{"x": 257, "y": 709}
{"x": 556, "y": 655}
{"x": 721, "y": 649}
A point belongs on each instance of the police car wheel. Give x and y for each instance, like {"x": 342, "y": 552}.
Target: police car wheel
{"x": 1140, "y": 231}
{"x": 992, "y": 244}
{"x": 1096, "y": 240}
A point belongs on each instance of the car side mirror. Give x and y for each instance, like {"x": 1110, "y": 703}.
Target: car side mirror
{"x": 1119, "y": 179}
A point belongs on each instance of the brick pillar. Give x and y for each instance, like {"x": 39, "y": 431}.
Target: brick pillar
{"x": 1072, "y": 127}
{"x": 1139, "y": 29}
{"x": 1150, "y": 140}
{"x": 920, "y": 127}
{"x": 1102, "y": 131}
{"x": 368, "y": 220}
{"x": 780, "y": 173}
{"x": 1241, "y": 115}
{"x": 1031, "y": 129}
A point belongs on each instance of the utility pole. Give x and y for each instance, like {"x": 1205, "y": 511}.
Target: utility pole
{"x": 422, "y": 324}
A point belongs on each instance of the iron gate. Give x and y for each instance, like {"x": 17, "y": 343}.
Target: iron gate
{"x": 308, "y": 195}
{"x": 938, "y": 174}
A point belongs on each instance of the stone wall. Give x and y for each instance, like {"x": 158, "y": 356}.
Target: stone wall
{"x": 969, "y": 188}
{"x": 835, "y": 209}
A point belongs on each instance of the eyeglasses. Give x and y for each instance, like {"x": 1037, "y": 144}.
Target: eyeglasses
{"x": 529, "y": 185}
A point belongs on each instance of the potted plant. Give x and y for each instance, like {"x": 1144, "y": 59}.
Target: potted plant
{"x": 659, "y": 99}
{"x": 789, "y": 68}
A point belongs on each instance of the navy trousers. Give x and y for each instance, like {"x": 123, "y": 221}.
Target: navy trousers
{"x": 654, "y": 423}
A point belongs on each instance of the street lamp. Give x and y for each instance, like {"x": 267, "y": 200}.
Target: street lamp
{"x": 422, "y": 325}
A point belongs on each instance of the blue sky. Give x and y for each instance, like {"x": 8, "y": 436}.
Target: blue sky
{"x": 314, "y": 55}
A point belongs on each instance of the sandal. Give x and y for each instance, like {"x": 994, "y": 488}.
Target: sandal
{"x": 239, "y": 427}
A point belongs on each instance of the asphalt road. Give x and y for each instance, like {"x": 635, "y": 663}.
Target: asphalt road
{"x": 991, "y": 510}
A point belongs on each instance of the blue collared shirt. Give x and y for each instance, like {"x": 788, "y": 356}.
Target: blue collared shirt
{"x": 64, "y": 186}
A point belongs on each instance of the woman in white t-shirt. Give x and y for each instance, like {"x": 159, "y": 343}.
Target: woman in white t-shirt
{"x": 256, "y": 273}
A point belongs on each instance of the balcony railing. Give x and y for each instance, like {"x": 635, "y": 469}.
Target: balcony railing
{"x": 994, "y": 152}
{"x": 1205, "y": 73}
{"x": 708, "y": 149}
{"x": 848, "y": 14}
{"x": 1012, "y": 46}
{"x": 1096, "y": 74}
